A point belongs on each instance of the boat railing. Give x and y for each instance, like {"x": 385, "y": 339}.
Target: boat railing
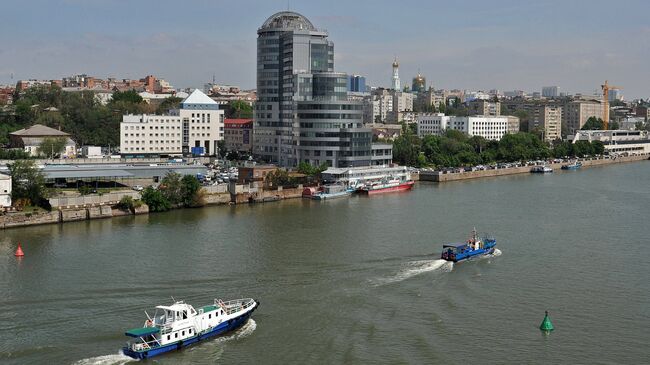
{"x": 144, "y": 345}
{"x": 233, "y": 306}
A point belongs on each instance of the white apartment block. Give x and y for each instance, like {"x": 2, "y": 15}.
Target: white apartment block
{"x": 432, "y": 123}
{"x": 488, "y": 127}
{"x": 198, "y": 123}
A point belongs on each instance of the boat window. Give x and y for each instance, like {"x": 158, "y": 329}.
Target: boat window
{"x": 209, "y": 316}
{"x": 183, "y": 333}
{"x": 176, "y": 335}
{"x": 184, "y": 314}
{"x": 169, "y": 337}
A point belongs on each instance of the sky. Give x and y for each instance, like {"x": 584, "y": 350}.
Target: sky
{"x": 473, "y": 45}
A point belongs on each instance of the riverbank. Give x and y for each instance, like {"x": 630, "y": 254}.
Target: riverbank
{"x": 95, "y": 206}
{"x": 440, "y": 176}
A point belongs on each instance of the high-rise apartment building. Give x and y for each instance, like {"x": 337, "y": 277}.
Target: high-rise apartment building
{"x": 356, "y": 84}
{"x": 302, "y": 112}
{"x": 575, "y": 113}
{"x": 551, "y": 91}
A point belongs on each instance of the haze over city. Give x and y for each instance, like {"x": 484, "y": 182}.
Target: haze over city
{"x": 475, "y": 45}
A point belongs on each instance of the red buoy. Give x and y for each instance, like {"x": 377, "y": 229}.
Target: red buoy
{"x": 19, "y": 251}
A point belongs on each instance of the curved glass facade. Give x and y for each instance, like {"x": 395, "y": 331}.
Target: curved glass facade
{"x": 302, "y": 112}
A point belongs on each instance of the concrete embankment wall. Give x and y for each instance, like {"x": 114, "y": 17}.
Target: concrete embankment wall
{"x": 438, "y": 176}
{"x": 71, "y": 209}
{"x": 244, "y": 194}
{"x": 66, "y": 215}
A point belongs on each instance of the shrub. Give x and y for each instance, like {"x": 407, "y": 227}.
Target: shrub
{"x": 156, "y": 201}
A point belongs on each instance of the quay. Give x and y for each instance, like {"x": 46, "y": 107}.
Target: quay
{"x": 441, "y": 176}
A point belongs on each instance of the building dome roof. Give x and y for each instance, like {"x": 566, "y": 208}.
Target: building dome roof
{"x": 287, "y": 20}
{"x": 395, "y": 63}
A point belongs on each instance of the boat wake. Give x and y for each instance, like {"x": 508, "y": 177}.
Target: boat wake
{"x": 414, "y": 268}
{"x": 244, "y": 331}
{"x": 116, "y": 359}
{"x": 496, "y": 253}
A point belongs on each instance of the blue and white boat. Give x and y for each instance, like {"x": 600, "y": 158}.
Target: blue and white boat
{"x": 475, "y": 246}
{"x": 572, "y": 166}
{"x": 180, "y": 325}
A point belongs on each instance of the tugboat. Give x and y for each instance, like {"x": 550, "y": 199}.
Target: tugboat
{"x": 573, "y": 166}
{"x": 180, "y": 325}
{"x": 475, "y": 246}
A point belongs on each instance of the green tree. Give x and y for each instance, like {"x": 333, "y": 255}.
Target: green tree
{"x": 51, "y": 146}
{"x": 171, "y": 102}
{"x": 613, "y": 125}
{"x": 239, "y": 109}
{"x": 190, "y": 188}
{"x": 598, "y": 147}
{"x": 129, "y": 96}
{"x": 593, "y": 123}
{"x": 279, "y": 177}
{"x": 28, "y": 183}
{"x": 172, "y": 188}
{"x": 406, "y": 147}
{"x": 155, "y": 200}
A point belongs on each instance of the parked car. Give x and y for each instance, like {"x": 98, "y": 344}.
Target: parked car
{"x": 138, "y": 187}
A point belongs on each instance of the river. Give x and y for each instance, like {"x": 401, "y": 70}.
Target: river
{"x": 354, "y": 281}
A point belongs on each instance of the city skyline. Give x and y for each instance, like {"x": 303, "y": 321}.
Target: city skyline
{"x": 504, "y": 45}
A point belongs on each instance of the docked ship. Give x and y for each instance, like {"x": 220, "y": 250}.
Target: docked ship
{"x": 541, "y": 169}
{"x": 573, "y": 166}
{"x": 386, "y": 186}
{"x": 180, "y": 325}
{"x": 332, "y": 192}
{"x": 475, "y": 246}
{"x": 358, "y": 177}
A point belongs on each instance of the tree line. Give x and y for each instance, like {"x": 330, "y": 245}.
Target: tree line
{"x": 456, "y": 149}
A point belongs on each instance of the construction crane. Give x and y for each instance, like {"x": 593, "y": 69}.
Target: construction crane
{"x": 606, "y": 87}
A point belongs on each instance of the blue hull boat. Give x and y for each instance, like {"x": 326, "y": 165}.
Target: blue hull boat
{"x": 475, "y": 246}
{"x": 151, "y": 341}
{"x": 573, "y": 166}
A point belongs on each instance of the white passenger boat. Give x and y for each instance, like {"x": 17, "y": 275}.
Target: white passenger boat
{"x": 180, "y": 325}
{"x": 541, "y": 169}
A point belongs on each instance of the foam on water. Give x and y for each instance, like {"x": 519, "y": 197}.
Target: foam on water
{"x": 414, "y": 268}
{"x": 115, "y": 359}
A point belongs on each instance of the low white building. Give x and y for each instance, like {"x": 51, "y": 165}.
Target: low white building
{"x": 488, "y": 127}
{"x": 618, "y": 141}
{"x": 5, "y": 190}
{"x": 432, "y": 123}
{"x": 30, "y": 140}
{"x": 194, "y": 128}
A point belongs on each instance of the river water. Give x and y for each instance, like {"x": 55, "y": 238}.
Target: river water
{"x": 354, "y": 281}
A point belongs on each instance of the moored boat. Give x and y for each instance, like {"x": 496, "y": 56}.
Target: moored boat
{"x": 541, "y": 169}
{"x": 387, "y": 186}
{"x": 573, "y": 166}
{"x": 180, "y": 325}
{"x": 332, "y": 192}
{"x": 475, "y": 246}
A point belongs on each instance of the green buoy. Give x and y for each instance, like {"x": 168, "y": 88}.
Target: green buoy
{"x": 546, "y": 323}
